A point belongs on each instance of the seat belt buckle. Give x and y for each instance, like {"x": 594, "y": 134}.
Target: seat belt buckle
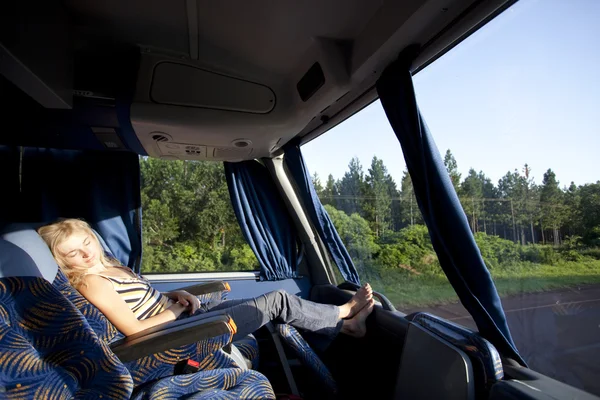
{"x": 191, "y": 367}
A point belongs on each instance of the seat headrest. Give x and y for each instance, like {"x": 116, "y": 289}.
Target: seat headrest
{"x": 14, "y": 261}
{"x": 33, "y": 247}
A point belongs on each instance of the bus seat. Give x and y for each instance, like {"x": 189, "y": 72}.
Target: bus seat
{"x": 210, "y": 354}
{"x": 50, "y": 351}
{"x": 487, "y": 365}
{"x": 42, "y": 354}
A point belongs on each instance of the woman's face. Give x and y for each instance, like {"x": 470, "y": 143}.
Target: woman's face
{"x": 81, "y": 249}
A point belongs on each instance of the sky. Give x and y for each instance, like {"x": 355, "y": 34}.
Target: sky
{"x": 523, "y": 89}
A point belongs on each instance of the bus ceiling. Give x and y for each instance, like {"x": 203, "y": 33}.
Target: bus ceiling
{"x": 199, "y": 80}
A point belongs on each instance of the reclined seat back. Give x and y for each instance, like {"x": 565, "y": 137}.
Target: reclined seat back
{"x": 48, "y": 348}
{"x": 50, "y": 351}
{"x": 144, "y": 369}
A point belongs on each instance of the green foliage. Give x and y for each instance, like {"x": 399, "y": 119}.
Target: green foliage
{"x": 593, "y": 253}
{"x": 188, "y": 222}
{"x": 589, "y": 208}
{"x": 189, "y": 226}
{"x": 355, "y": 233}
{"x": 452, "y": 168}
{"x": 242, "y": 259}
{"x": 378, "y": 202}
{"x": 497, "y": 252}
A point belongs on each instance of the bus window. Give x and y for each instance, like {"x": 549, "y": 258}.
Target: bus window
{"x": 188, "y": 221}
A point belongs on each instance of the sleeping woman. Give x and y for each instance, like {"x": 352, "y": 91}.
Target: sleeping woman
{"x": 132, "y": 305}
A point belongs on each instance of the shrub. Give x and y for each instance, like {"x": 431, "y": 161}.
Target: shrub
{"x": 593, "y": 253}
{"x": 410, "y": 250}
{"x": 355, "y": 233}
{"x": 497, "y": 252}
{"x": 532, "y": 253}
{"x": 571, "y": 255}
{"x": 548, "y": 255}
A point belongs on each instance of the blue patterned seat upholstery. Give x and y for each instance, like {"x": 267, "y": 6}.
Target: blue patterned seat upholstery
{"x": 209, "y": 353}
{"x": 248, "y": 346}
{"x": 306, "y": 354}
{"x": 228, "y": 383}
{"x": 487, "y": 365}
{"x": 49, "y": 350}
{"x": 290, "y": 335}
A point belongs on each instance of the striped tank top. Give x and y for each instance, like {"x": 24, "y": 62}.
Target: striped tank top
{"x": 143, "y": 300}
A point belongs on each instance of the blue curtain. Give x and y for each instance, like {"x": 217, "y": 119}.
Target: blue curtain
{"x": 448, "y": 227}
{"x": 101, "y": 187}
{"x": 316, "y": 212}
{"x": 264, "y": 219}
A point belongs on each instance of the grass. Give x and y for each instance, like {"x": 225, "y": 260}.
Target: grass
{"x": 408, "y": 291}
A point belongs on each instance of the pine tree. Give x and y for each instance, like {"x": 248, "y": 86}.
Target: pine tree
{"x": 573, "y": 224}
{"x": 589, "y": 208}
{"x": 330, "y": 194}
{"x": 377, "y": 204}
{"x": 471, "y": 190}
{"x": 396, "y": 213}
{"x": 452, "y": 168}
{"x": 352, "y": 188}
{"x": 317, "y": 185}
{"x": 551, "y": 198}
{"x": 411, "y": 214}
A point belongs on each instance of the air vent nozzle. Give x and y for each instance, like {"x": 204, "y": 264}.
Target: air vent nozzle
{"x": 160, "y": 137}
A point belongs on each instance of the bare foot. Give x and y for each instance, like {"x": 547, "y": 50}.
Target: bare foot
{"x": 356, "y": 326}
{"x": 357, "y": 302}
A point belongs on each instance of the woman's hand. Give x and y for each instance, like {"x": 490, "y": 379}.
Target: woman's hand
{"x": 186, "y": 299}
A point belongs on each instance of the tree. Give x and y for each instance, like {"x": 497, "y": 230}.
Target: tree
{"x": 410, "y": 212}
{"x": 531, "y": 201}
{"x": 396, "y": 207}
{"x": 377, "y": 205}
{"x": 355, "y": 233}
{"x": 589, "y": 208}
{"x": 471, "y": 190}
{"x": 330, "y": 192}
{"x": 452, "y": 168}
{"x": 317, "y": 184}
{"x": 510, "y": 188}
{"x": 352, "y": 188}
{"x": 573, "y": 224}
{"x": 551, "y": 201}
{"x": 489, "y": 194}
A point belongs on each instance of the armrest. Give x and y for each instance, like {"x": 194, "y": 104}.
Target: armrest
{"x": 174, "y": 334}
{"x": 209, "y": 287}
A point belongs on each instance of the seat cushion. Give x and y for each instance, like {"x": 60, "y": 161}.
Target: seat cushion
{"x": 25, "y": 237}
{"x": 49, "y": 350}
{"x": 14, "y": 261}
{"x": 306, "y": 354}
{"x": 248, "y": 346}
{"x": 229, "y": 383}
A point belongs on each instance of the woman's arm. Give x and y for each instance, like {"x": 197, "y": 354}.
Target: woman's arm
{"x": 101, "y": 294}
{"x": 185, "y": 298}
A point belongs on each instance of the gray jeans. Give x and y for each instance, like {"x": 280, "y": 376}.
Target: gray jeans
{"x": 277, "y": 306}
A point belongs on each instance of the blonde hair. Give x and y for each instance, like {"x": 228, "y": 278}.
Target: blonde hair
{"x": 57, "y": 232}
